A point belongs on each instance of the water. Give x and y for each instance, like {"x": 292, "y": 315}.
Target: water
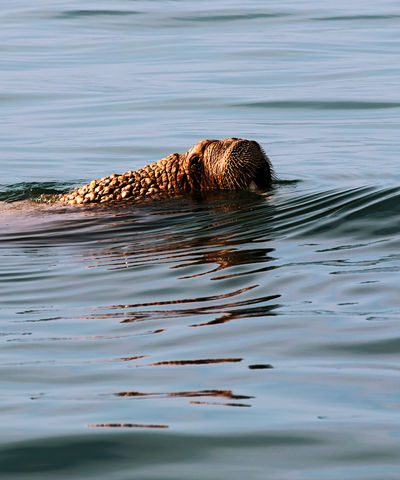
{"x": 234, "y": 336}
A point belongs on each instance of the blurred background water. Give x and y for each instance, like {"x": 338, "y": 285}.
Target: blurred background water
{"x": 237, "y": 336}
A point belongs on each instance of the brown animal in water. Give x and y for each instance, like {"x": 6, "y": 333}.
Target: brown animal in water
{"x": 230, "y": 164}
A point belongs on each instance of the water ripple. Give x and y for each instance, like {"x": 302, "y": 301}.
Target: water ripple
{"x": 320, "y": 105}
{"x": 185, "y": 232}
{"x": 95, "y": 13}
{"x": 105, "y": 371}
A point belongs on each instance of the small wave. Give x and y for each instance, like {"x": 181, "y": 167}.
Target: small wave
{"x": 364, "y": 212}
{"x": 352, "y": 18}
{"x": 125, "y": 425}
{"x": 30, "y": 190}
{"x": 190, "y": 234}
{"x": 95, "y": 13}
{"x": 320, "y": 105}
{"x": 231, "y": 17}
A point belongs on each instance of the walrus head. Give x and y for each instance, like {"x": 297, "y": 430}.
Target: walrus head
{"x": 229, "y": 164}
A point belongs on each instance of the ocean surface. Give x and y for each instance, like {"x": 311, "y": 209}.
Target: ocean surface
{"x": 238, "y": 336}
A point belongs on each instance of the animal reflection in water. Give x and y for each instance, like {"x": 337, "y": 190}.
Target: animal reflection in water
{"x": 120, "y": 258}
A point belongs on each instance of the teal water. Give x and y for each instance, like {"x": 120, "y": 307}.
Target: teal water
{"x": 235, "y": 336}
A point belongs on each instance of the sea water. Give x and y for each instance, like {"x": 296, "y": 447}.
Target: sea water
{"x": 240, "y": 335}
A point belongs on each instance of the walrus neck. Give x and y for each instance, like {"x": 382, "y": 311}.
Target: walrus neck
{"x": 164, "y": 176}
{"x": 168, "y": 174}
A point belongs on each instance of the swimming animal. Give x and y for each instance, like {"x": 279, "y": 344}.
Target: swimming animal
{"x": 229, "y": 164}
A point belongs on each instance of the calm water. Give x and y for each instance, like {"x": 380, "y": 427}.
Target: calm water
{"x": 235, "y": 336}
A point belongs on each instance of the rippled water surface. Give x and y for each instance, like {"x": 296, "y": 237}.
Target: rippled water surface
{"x": 237, "y": 335}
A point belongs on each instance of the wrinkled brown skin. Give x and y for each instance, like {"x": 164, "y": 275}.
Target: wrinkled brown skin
{"x": 230, "y": 164}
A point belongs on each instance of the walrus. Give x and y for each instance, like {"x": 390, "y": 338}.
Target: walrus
{"x": 229, "y": 164}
